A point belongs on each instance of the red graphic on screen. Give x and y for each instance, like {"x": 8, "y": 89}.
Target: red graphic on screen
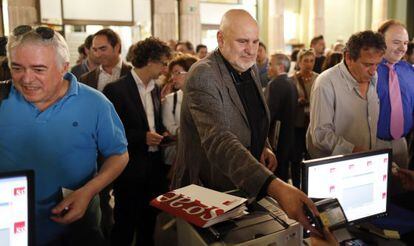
{"x": 19, "y": 191}
{"x": 19, "y": 227}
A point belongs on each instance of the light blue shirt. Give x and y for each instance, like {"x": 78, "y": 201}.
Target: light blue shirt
{"x": 60, "y": 144}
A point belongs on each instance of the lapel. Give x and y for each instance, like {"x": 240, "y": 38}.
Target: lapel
{"x": 254, "y": 72}
{"x": 95, "y": 78}
{"x": 124, "y": 69}
{"x": 227, "y": 80}
{"x": 156, "y": 103}
{"x": 132, "y": 89}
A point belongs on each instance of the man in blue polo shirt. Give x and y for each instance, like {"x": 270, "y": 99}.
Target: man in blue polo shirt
{"x": 55, "y": 125}
{"x": 396, "y": 93}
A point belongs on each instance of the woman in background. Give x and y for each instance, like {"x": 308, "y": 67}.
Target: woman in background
{"x": 303, "y": 80}
{"x": 171, "y": 105}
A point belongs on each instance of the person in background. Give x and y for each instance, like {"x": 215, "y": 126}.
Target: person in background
{"x": 344, "y": 103}
{"x": 81, "y": 53}
{"x": 4, "y": 62}
{"x": 262, "y": 62}
{"x": 201, "y": 51}
{"x": 396, "y": 93}
{"x": 89, "y": 63}
{"x": 332, "y": 59}
{"x": 106, "y": 46}
{"x": 171, "y": 105}
{"x": 281, "y": 98}
{"x": 293, "y": 62}
{"x": 136, "y": 98}
{"x": 185, "y": 47}
{"x": 338, "y": 47}
{"x": 60, "y": 127}
{"x": 303, "y": 81}
{"x": 318, "y": 45}
{"x": 409, "y": 54}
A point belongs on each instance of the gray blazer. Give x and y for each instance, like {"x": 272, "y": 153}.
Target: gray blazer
{"x": 214, "y": 133}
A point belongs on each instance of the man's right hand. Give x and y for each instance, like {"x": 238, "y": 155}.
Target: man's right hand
{"x": 153, "y": 138}
{"x": 359, "y": 149}
{"x": 292, "y": 200}
{"x": 407, "y": 178}
{"x": 329, "y": 239}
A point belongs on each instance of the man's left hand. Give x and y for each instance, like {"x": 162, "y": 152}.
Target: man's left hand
{"x": 269, "y": 159}
{"x": 72, "y": 207}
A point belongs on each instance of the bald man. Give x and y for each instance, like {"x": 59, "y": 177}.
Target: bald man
{"x": 225, "y": 121}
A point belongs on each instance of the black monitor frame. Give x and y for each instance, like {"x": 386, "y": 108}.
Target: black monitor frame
{"x": 29, "y": 174}
{"x": 321, "y": 161}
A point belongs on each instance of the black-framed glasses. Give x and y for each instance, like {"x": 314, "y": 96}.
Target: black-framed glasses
{"x": 44, "y": 32}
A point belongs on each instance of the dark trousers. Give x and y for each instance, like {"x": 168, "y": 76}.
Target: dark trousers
{"x": 133, "y": 213}
{"x": 85, "y": 231}
{"x": 299, "y": 153}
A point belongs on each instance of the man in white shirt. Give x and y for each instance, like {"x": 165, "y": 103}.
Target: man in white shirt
{"x": 106, "y": 45}
{"x": 344, "y": 105}
{"x": 136, "y": 98}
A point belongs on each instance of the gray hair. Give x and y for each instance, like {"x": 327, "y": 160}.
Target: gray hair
{"x": 282, "y": 59}
{"x": 57, "y": 42}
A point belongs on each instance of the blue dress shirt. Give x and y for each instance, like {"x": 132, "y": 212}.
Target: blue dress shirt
{"x": 405, "y": 74}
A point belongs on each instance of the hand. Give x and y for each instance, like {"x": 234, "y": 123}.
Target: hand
{"x": 268, "y": 159}
{"x": 302, "y": 101}
{"x": 329, "y": 239}
{"x": 76, "y": 205}
{"x": 292, "y": 201}
{"x": 359, "y": 149}
{"x": 153, "y": 139}
{"x": 407, "y": 178}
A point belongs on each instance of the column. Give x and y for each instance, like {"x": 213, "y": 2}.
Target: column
{"x": 276, "y": 37}
{"x": 190, "y": 23}
{"x": 379, "y": 13}
{"x": 22, "y": 12}
{"x": 164, "y": 19}
{"x": 318, "y": 17}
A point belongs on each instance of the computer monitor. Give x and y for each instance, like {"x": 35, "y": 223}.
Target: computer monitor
{"x": 359, "y": 181}
{"x": 17, "y": 208}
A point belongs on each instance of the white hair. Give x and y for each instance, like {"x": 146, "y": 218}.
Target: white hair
{"x": 57, "y": 42}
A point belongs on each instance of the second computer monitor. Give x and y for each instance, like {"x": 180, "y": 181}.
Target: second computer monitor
{"x": 359, "y": 181}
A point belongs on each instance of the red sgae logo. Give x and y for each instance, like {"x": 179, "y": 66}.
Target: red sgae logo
{"x": 19, "y": 191}
{"x": 19, "y": 227}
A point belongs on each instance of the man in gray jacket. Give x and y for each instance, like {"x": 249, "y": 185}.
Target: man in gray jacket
{"x": 224, "y": 122}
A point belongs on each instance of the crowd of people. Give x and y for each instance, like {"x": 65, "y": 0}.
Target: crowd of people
{"x": 171, "y": 115}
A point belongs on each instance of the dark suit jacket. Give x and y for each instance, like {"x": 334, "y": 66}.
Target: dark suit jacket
{"x": 124, "y": 94}
{"x": 281, "y": 98}
{"x": 91, "y": 78}
{"x": 215, "y": 136}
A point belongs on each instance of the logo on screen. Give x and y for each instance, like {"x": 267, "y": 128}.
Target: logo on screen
{"x": 19, "y": 227}
{"x": 19, "y": 191}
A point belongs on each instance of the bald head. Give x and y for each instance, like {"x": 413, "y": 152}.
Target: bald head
{"x": 238, "y": 39}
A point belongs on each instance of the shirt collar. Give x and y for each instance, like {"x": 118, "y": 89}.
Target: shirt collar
{"x": 350, "y": 80}
{"x": 231, "y": 68}
{"x": 139, "y": 82}
{"x": 117, "y": 67}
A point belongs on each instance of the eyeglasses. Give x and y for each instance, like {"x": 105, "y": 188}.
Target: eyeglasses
{"x": 44, "y": 32}
{"x": 178, "y": 73}
{"x": 163, "y": 63}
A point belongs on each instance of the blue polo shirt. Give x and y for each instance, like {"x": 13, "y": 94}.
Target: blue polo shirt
{"x": 405, "y": 74}
{"x": 60, "y": 144}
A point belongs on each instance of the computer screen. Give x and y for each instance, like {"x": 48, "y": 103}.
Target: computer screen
{"x": 359, "y": 181}
{"x": 16, "y": 208}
